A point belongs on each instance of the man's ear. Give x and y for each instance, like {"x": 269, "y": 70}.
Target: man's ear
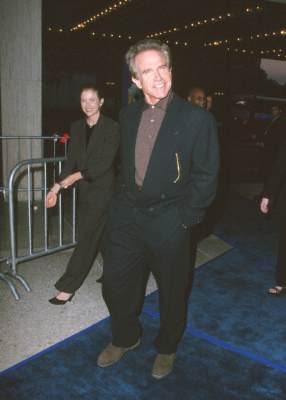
{"x": 137, "y": 82}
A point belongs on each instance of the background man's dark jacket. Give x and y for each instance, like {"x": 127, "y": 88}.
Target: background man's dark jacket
{"x": 276, "y": 134}
{"x": 275, "y": 186}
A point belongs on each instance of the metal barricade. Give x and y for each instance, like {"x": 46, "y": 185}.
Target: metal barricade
{"x": 28, "y": 167}
{"x": 55, "y": 139}
{"x": 51, "y": 146}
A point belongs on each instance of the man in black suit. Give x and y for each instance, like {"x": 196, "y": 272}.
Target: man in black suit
{"x": 274, "y": 193}
{"x": 169, "y": 156}
{"x": 274, "y": 136}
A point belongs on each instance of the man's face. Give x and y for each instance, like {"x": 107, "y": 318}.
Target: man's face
{"x": 90, "y": 102}
{"x": 275, "y": 111}
{"x": 209, "y": 102}
{"x": 153, "y": 75}
{"x": 198, "y": 97}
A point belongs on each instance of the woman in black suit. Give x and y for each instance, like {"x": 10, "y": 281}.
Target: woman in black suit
{"x": 90, "y": 162}
{"x": 275, "y": 191}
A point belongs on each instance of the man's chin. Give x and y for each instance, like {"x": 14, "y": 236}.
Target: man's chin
{"x": 161, "y": 95}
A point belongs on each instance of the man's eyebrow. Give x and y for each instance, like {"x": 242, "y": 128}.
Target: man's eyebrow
{"x": 146, "y": 69}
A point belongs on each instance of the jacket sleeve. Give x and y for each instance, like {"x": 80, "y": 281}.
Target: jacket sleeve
{"x": 70, "y": 163}
{"x": 105, "y": 162}
{"x": 202, "y": 183}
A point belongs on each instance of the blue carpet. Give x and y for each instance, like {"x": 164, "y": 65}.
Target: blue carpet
{"x": 234, "y": 346}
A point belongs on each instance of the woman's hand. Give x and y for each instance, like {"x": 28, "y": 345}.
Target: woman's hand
{"x": 264, "y": 205}
{"x": 70, "y": 180}
{"x": 52, "y": 196}
{"x": 51, "y": 199}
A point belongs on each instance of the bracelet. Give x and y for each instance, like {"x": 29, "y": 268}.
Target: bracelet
{"x": 62, "y": 186}
{"x": 51, "y": 189}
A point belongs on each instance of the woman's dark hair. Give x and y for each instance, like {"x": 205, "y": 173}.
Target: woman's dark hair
{"x": 92, "y": 86}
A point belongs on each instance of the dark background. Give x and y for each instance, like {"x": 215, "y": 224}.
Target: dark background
{"x": 80, "y": 54}
{"x": 230, "y": 72}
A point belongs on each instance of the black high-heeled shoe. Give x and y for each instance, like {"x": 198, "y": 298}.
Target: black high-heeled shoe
{"x": 58, "y": 302}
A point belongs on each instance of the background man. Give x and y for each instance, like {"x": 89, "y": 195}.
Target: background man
{"x": 274, "y": 136}
{"x": 197, "y": 96}
{"x": 169, "y": 156}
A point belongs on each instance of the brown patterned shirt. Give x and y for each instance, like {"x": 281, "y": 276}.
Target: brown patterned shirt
{"x": 149, "y": 126}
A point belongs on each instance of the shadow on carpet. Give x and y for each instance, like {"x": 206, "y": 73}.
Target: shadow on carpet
{"x": 234, "y": 346}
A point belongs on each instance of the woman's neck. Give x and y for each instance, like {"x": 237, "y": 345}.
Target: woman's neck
{"x": 92, "y": 120}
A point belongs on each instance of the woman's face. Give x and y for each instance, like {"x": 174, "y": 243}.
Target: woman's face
{"x": 90, "y": 102}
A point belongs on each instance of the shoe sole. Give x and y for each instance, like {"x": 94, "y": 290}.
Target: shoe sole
{"x": 125, "y": 351}
{"x": 161, "y": 376}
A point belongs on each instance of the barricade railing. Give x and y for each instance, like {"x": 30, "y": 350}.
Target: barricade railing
{"x": 55, "y": 139}
{"x": 29, "y": 167}
{"x": 51, "y": 146}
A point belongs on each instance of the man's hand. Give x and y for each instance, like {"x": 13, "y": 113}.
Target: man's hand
{"x": 264, "y": 205}
{"x": 70, "y": 180}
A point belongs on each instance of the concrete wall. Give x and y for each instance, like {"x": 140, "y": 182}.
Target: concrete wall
{"x": 21, "y": 79}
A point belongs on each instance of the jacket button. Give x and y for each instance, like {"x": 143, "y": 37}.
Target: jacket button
{"x": 151, "y": 209}
{"x": 163, "y": 196}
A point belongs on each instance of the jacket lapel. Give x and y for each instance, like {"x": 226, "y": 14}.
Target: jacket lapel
{"x": 132, "y": 127}
{"x": 81, "y": 143}
{"x": 96, "y": 137}
{"x": 164, "y": 149}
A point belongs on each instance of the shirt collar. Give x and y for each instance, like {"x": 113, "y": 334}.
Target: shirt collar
{"x": 162, "y": 104}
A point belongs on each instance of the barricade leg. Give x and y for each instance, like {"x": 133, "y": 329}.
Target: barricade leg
{"x": 11, "y": 286}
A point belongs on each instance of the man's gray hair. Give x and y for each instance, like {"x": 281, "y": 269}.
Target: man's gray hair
{"x": 143, "y": 45}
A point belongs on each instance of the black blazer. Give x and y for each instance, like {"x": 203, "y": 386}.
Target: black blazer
{"x": 183, "y": 168}
{"x": 276, "y": 133}
{"x": 97, "y": 160}
{"x": 275, "y": 186}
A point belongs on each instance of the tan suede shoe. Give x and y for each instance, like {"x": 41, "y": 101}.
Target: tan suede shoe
{"x": 163, "y": 365}
{"x": 111, "y": 354}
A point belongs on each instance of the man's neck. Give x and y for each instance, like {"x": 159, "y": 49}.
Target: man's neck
{"x": 153, "y": 103}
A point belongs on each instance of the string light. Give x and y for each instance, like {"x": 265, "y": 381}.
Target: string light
{"x": 211, "y": 20}
{"x": 206, "y": 21}
{"x": 273, "y": 52}
{"x": 56, "y": 30}
{"x": 258, "y": 36}
{"x": 108, "y": 10}
{"x": 212, "y": 44}
{"x": 187, "y": 44}
{"x": 112, "y": 36}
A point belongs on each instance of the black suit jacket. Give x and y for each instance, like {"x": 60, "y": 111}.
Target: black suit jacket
{"x": 181, "y": 178}
{"x": 96, "y": 160}
{"x": 275, "y": 186}
{"x": 276, "y": 133}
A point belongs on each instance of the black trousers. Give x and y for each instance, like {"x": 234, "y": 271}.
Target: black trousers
{"x": 281, "y": 257}
{"x": 89, "y": 237}
{"x": 127, "y": 253}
